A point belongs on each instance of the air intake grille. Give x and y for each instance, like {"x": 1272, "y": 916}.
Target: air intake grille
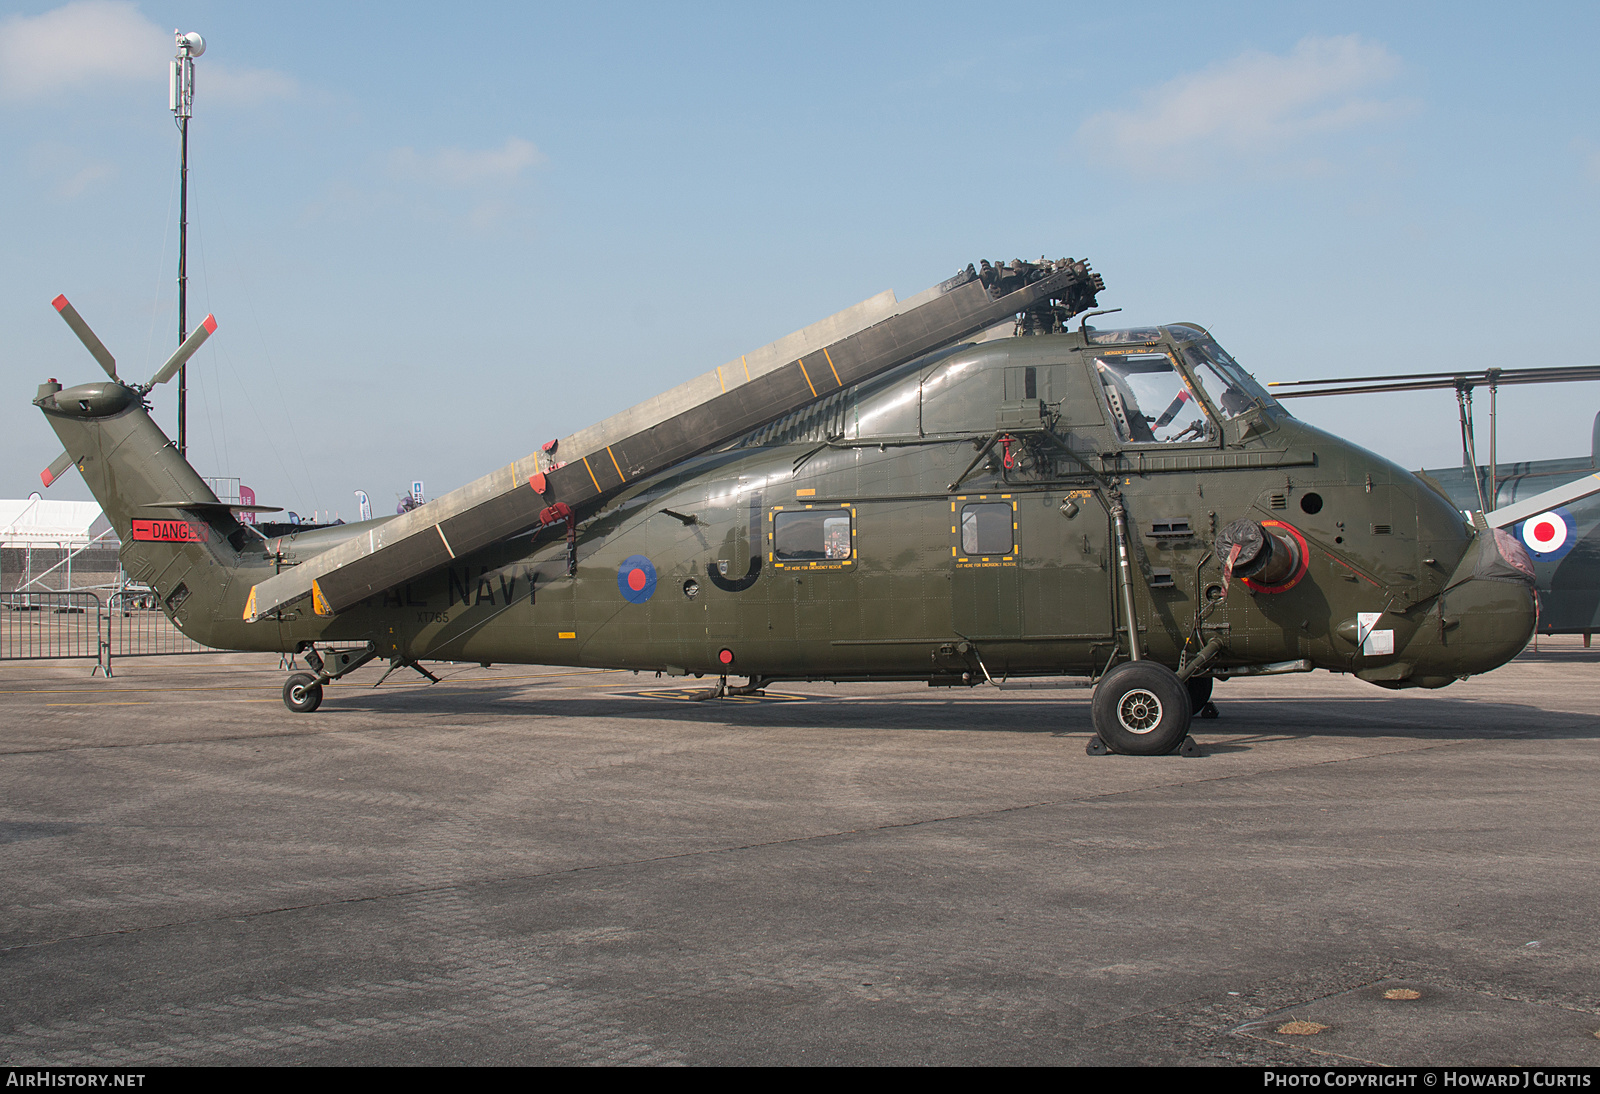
{"x": 814, "y": 423}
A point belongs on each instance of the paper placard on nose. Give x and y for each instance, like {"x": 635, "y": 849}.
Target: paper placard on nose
{"x": 1374, "y": 643}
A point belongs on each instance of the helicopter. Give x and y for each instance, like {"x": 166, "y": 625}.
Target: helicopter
{"x": 960, "y": 488}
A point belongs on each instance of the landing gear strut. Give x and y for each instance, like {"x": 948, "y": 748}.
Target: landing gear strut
{"x": 302, "y": 692}
{"x": 1200, "y": 696}
{"x": 756, "y": 686}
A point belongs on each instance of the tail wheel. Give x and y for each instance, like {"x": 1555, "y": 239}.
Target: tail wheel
{"x": 1141, "y": 709}
{"x": 301, "y": 693}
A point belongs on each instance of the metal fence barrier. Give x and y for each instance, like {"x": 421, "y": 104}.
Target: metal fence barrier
{"x": 59, "y": 625}
{"x": 41, "y": 625}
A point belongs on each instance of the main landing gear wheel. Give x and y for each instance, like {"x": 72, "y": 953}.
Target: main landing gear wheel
{"x": 301, "y": 693}
{"x": 1141, "y": 709}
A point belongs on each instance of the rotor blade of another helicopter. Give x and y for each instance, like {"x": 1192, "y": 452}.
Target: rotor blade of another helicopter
{"x": 185, "y": 351}
{"x": 58, "y": 467}
{"x": 1426, "y": 381}
{"x": 1539, "y": 503}
{"x": 86, "y": 336}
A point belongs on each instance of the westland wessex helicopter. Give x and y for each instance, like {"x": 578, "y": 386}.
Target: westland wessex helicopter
{"x": 960, "y": 488}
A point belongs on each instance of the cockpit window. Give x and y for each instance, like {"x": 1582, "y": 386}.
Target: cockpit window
{"x": 1149, "y": 399}
{"x": 1231, "y": 388}
{"x": 1134, "y": 335}
{"x": 1226, "y": 395}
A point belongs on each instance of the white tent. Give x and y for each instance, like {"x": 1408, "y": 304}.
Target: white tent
{"x": 35, "y": 522}
{"x": 43, "y": 543}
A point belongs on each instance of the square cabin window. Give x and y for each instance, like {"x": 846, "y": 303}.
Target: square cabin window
{"x": 811, "y": 535}
{"x": 986, "y": 528}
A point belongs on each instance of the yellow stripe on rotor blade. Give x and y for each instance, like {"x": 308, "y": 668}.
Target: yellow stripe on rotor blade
{"x": 829, "y": 356}
{"x": 807, "y": 375}
{"x": 592, "y": 479}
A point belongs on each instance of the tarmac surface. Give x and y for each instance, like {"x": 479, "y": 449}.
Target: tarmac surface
{"x": 527, "y": 865}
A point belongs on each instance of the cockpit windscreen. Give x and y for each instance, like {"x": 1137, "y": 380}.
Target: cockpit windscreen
{"x": 1231, "y": 388}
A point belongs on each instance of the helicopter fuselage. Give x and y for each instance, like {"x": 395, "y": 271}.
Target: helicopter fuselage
{"x": 961, "y": 518}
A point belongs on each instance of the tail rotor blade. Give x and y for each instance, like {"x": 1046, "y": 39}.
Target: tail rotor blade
{"x": 185, "y": 351}
{"x": 86, "y": 336}
{"x": 58, "y": 467}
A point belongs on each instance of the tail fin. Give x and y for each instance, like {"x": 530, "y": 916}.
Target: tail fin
{"x": 176, "y": 535}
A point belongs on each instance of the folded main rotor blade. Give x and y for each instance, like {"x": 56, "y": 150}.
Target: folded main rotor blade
{"x": 86, "y": 336}
{"x": 58, "y": 467}
{"x": 185, "y": 351}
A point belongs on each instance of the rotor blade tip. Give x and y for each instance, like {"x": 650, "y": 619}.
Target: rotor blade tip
{"x": 210, "y": 324}
{"x": 45, "y": 477}
{"x": 59, "y": 302}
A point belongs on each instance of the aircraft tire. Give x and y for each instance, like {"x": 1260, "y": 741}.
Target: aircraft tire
{"x": 1199, "y": 691}
{"x": 301, "y": 693}
{"x": 1141, "y": 708}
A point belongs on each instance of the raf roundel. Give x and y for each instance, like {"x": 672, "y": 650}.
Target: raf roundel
{"x": 1548, "y": 535}
{"x": 636, "y": 579}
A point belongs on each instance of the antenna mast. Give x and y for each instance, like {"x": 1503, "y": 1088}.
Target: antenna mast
{"x": 180, "y": 98}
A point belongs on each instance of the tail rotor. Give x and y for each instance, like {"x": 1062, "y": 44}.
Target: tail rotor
{"x": 91, "y": 341}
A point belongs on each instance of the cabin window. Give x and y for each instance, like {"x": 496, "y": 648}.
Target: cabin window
{"x": 1150, "y": 400}
{"x": 813, "y": 538}
{"x": 986, "y": 528}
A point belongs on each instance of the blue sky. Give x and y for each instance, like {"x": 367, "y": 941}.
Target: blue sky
{"x": 435, "y": 238}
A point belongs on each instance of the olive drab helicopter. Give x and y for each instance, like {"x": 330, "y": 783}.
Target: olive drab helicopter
{"x": 962, "y": 488}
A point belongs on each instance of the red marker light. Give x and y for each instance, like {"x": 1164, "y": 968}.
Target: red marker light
{"x": 726, "y": 657}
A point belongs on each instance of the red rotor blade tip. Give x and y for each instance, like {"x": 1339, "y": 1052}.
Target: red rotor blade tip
{"x": 210, "y": 324}
{"x": 59, "y": 302}
{"x": 45, "y": 477}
